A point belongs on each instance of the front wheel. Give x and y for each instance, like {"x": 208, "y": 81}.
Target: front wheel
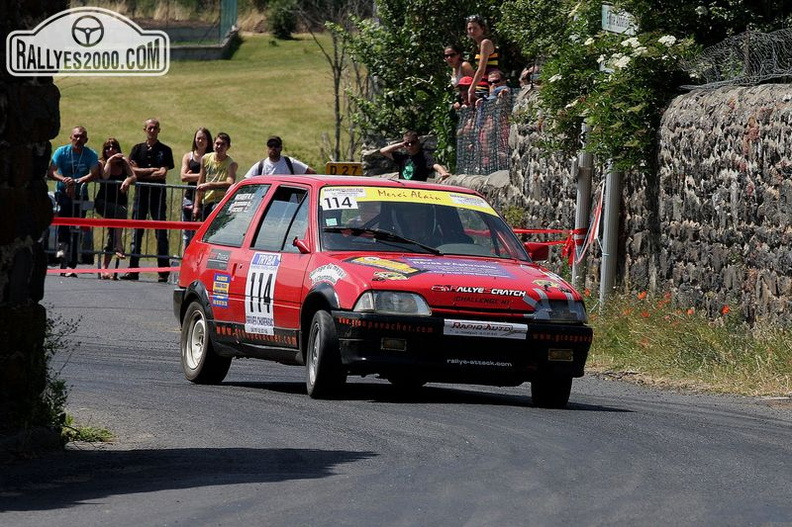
{"x": 324, "y": 374}
{"x": 551, "y": 392}
{"x": 200, "y": 363}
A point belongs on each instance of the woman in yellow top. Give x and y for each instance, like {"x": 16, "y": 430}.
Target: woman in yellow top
{"x": 486, "y": 58}
{"x": 218, "y": 172}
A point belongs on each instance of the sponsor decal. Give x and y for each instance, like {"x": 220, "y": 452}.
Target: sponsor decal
{"x": 478, "y": 290}
{"x": 383, "y": 325}
{"x": 459, "y": 266}
{"x": 485, "y": 300}
{"x": 87, "y": 41}
{"x": 280, "y": 336}
{"x": 241, "y": 203}
{"x": 467, "y": 199}
{"x": 472, "y": 362}
{"x": 327, "y": 273}
{"x": 562, "y": 337}
{"x": 218, "y": 260}
{"x": 380, "y": 276}
{"x": 220, "y": 289}
{"x": 475, "y": 328}
{"x": 382, "y": 263}
{"x": 259, "y": 288}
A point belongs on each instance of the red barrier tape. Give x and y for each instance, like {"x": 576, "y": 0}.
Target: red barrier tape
{"x": 135, "y": 224}
{"x": 94, "y": 270}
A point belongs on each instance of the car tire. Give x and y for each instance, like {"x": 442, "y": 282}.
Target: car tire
{"x": 200, "y": 363}
{"x": 551, "y": 392}
{"x": 324, "y": 374}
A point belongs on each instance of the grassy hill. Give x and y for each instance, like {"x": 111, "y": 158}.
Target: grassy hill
{"x": 268, "y": 88}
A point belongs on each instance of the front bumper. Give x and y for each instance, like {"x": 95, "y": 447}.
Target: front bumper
{"x": 432, "y": 349}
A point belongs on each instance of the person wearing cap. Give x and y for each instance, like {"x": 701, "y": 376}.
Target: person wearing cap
{"x": 462, "y": 92}
{"x": 415, "y": 165}
{"x": 275, "y": 163}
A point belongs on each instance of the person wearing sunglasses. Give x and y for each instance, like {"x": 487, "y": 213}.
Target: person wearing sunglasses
{"x": 459, "y": 66}
{"x": 414, "y": 164}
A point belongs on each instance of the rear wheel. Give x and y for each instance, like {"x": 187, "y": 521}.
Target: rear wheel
{"x": 324, "y": 374}
{"x": 200, "y": 363}
{"x": 551, "y": 392}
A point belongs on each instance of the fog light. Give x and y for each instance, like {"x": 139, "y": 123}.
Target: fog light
{"x": 394, "y": 344}
{"x": 560, "y": 355}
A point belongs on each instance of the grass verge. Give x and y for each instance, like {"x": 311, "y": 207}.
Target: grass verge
{"x": 648, "y": 340}
{"x": 269, "y": 87}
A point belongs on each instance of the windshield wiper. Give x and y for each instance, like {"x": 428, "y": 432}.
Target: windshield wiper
{"x": 382, "y": 235}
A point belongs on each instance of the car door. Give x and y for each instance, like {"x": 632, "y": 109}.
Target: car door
{"x": 274, "y": 277}
{"x": 223, "y": 268}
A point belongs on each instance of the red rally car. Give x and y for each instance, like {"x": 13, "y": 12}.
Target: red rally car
{"x": 411, "y": 281}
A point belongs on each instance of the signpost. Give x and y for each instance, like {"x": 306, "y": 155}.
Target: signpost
{"x": 336, "y": 168}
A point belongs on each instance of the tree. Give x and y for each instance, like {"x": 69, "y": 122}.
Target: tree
{"x": 337, "y": 17}
{"x": 402, "y": 51}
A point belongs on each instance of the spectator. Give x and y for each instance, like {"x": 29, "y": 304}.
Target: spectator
{"x": 462, "y": 92}
{"x": 460, "y": 68}
{"x": 486, "y": 57}
{"x": 111, "y": 199}
{"x": 529, "y": 77}
{"x": 190, "y": 169}
{"x": 150, "y": 162}
{"x": 275, "y": 163}
{"x": 218, "y": 172}
{"x": 415, "y": 165}
{"x": 497, "y": 85}
{"x": 72, "y": 166}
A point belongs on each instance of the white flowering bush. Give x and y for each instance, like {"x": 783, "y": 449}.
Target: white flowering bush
{"x": 618, "y": 84}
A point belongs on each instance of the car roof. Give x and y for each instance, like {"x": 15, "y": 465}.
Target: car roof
{"x": 319, "y": 180}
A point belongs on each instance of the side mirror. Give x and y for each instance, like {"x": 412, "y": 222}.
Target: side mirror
{"x": 537, "y": 251}
{"x": 301, "y": 246}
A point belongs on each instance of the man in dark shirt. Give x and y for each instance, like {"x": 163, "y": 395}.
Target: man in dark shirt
{"x": 150, "y": 162}
{"x": 415, "y": 165}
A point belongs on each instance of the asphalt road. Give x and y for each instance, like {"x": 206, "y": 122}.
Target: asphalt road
{"x": 257, "y": 450}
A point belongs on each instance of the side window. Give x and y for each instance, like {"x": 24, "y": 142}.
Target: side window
{"x": 232, "y": 222}
{"x": 298, "y": 227}
{"x": 286, "y": 214}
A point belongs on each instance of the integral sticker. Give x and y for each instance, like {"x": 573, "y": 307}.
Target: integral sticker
{"x": 473, "y": 328}
{"x": 241, "y": 203}
{"x": 87, "y": 41}
{"x": 460, "y": 267}
{"x": 259, "y": 289}
{"x": 381, "y": 263}
{"x": 478, "y": 290}
{"x": 220, "y": 289}
{"x": 336, "y": 198}
{"x": 327, "y": 273}
{"x": 218, "y": 260}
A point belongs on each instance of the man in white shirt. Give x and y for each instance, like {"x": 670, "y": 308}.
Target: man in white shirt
{"x": 275, "y": 163}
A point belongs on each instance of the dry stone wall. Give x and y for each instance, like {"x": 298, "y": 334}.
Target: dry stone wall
{"x": 712, "y": 226}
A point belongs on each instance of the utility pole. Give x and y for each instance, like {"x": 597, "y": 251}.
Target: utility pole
{"x": 584, "y": 168}
{"x": 610, "y": 241}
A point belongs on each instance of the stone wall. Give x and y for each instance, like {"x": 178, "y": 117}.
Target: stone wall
{"x": 29, "y": 118}
{"x": 712, "y": 227}
{"x": 726, "y": 200}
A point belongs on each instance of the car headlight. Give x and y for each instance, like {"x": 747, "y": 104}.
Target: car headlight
{"x": 561, "y": 311}
{"x": 392, "y": 303}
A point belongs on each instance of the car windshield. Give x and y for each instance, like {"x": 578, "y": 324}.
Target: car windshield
{"x": 384, "y": 219}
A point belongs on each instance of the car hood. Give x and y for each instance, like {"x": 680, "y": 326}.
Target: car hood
{"x": 454, "y": 282}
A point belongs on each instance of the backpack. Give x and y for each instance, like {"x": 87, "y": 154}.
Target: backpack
{"x": 285, "y": 158}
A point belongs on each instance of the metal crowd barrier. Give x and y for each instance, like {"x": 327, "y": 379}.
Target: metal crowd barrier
{"x": 92, "y": 240}
{"x": 483, "y": 136}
